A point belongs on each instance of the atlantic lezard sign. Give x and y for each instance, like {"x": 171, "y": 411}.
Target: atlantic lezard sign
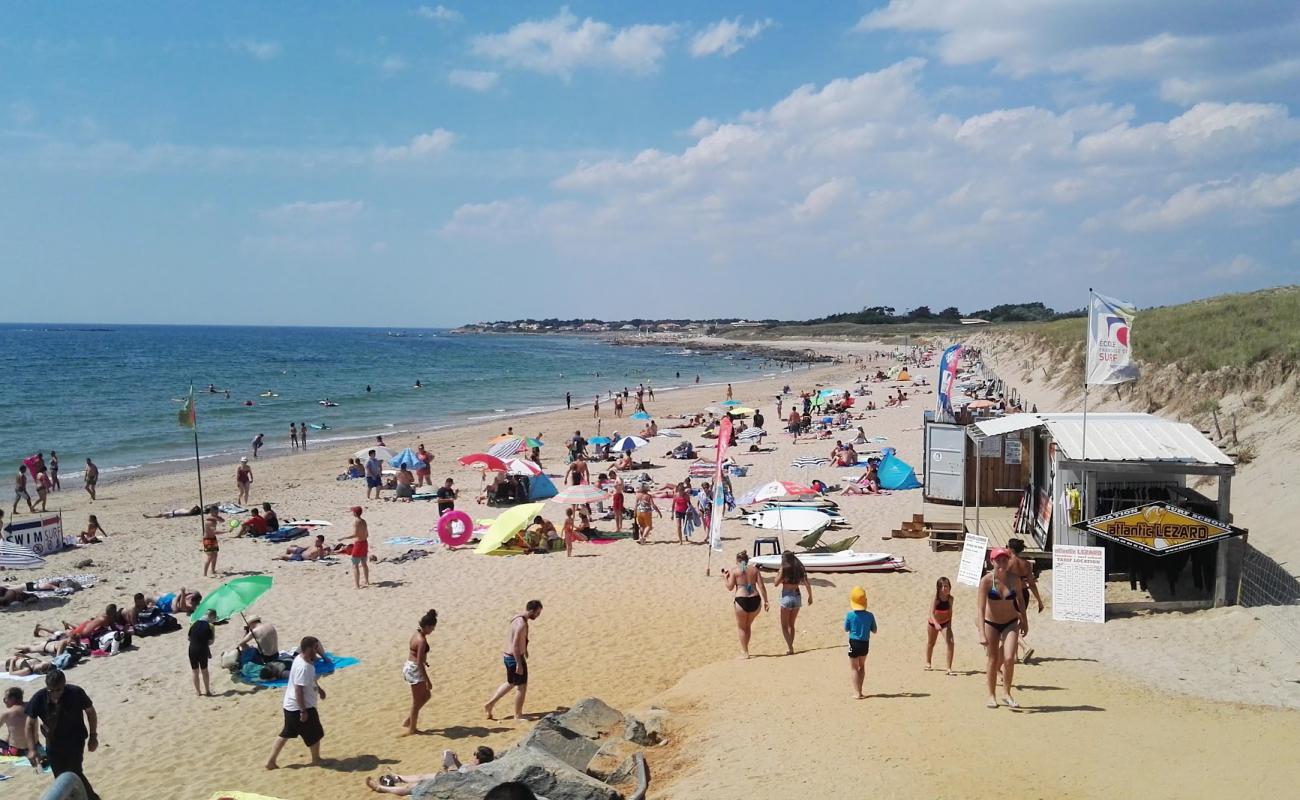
{"x": 1159, "y": 528}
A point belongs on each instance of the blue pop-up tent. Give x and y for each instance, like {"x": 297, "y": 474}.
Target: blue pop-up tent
{"x": 407, "y": 458}
{"x": 897, "y": 474}
{"x": 540, "y": 487}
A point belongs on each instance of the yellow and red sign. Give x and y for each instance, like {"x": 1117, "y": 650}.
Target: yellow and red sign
{"x": 1159, "y": 528}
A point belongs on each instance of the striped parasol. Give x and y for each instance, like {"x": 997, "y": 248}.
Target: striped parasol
{"x": 507, "y": 447}
{"x": 749, "y": 434}
{"x": 522, "y": 466}
{"x": 808, "y": 462}
{"x": 580, "y": 495}
{"x": 775, "y": 490}
{"x": 15, "y": 556}
{"x": 629, "y": 443}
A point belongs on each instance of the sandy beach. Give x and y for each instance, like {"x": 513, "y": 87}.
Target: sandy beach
{"x": 637, "y": 625}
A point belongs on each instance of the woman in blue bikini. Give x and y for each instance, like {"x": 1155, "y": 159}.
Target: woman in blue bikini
{"x": 1000, "y": 622}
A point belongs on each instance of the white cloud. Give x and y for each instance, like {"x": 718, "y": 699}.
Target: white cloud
{"x": 1264, "y": 193}
{"x": 726, "y": 37}
{"x": 1190, "y": 49}
{"x": 439, "y": 13}
{"x": 423, "y": 146}
{"x": 563, "y": 44}
{"x": 823, "y": 198}
{"x": 262, "y": 50}
{"x": 473, "y": 79}
{"x": 391, "y": 65}
{"x": 320, "y": 211}
{"x": 1230, "y": 127}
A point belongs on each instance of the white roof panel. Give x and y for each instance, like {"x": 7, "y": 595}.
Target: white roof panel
{"x": 1008, "y": 424}
{"x": 1115, "y": 437}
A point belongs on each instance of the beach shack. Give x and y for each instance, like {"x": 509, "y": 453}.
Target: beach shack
{"x": 1155, "y": 493}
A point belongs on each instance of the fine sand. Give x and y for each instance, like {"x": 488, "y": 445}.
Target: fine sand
{"x": 634, "y": 625}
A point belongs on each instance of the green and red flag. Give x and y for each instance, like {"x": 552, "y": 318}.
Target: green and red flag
{"x": 186, "y": 415}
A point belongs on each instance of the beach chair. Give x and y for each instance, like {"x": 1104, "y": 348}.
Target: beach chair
{"x": 813, "y": 539}
{"x": 836, "y": 547}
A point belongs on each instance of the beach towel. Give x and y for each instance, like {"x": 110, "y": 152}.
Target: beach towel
{"x": 5, "y": 676}
{"x": 240, "y": 796}
{"x": 412, "y": 541}
{"x": 231, "y": 508}
{"x": 409, "y": 555}
{"x": 285, "y": 534}
{"x": 85, "y": 581}
{"x": 327, "y": 665}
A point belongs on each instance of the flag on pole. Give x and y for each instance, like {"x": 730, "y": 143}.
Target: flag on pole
{"x": 719, "y": 493}
{"x": 948, "y": 376}
{"x": 1110, "y": 346}
{"x": 186, "y": 415}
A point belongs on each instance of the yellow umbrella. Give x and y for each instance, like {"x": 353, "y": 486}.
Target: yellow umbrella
{"x": 740, "y": 411}
{"x": 507, "y": 525}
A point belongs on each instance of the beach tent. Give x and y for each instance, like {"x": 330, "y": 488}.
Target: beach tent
{"x": 540, "y": 487}
{"x": 903, "y": 375}
{"x": 407, "y": 458}
{"x": 897, "y": 474}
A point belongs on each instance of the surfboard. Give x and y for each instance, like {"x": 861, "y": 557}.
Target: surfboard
{"x": 793, "y": 519}
{"x": 306, "y": 523}
{"x": 846, "y": 561}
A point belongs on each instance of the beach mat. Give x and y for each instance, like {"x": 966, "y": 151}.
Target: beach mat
{"x": 5, "y": 676}
{"x": 412, "y": 541}
{"x": 326, "y": 666}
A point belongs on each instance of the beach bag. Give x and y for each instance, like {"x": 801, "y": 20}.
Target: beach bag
{"x": 66, "y": 659}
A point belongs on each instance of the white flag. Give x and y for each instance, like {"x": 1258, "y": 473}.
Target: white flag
{"x": 1110, "y": 346}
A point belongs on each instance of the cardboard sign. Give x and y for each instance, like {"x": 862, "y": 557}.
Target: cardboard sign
{"x": 1012, "y": 452}
{"x": 1078, "y": 583}
{"x": 1159, "y": 528}
{"x": 42, "y": 536}
{"x": 971, "y": 568}
{"x": 991, "y": 447}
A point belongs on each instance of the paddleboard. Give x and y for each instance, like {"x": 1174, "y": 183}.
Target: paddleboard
{"x": 846, "y": 561}
{"x": 317, "y": 427}
{"x": 269, "y": 394}
{"x": 794, "y": 519}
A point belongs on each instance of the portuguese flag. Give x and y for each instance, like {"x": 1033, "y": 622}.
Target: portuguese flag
{"x": 186, "y": 415}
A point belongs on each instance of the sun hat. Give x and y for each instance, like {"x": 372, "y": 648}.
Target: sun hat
{"x": 999, "y": 552}
{"x": 253, "y": 620}
{"x": 243, "y": 459}
{"x": 858, "y": 599}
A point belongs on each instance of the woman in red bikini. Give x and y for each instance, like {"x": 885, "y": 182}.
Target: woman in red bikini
{"x": 940, "y": 622}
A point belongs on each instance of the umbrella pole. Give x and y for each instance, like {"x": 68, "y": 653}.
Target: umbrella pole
{"x": 250, "y": 633}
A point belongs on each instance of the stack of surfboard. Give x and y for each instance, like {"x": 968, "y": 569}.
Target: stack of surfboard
{"x": 794, "y": 516}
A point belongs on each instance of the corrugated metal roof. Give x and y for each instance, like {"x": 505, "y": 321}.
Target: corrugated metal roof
{"x": 1116, "y": 437}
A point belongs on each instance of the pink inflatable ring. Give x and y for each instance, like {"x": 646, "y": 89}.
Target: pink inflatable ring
{"x": 447, "y": 533}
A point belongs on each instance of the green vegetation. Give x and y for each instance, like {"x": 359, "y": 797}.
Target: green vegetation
{"x": 1236, "y": 330}
{"x": 885, "y": 315}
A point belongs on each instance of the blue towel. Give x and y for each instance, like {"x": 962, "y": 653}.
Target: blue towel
{"x": 326, "y": 665}
{"x": 286, "y": 533}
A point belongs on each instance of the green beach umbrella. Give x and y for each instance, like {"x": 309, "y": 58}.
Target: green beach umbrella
{"x": 233, "y": 597}
{"x": 507, "y": 525}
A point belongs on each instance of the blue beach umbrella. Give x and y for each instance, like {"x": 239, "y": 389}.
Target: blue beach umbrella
{"x": 599, "y": 440}
{"x": 407, "y": 458}
{"x": 730, "y": 402}
{"x": 629, "y": 443}
{"x": 640, "y": 415}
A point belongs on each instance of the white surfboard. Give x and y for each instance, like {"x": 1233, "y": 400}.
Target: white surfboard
{"x": 793, "y": 519}
{"x": 306, "y": 523}
{"x": 846, "y": 561}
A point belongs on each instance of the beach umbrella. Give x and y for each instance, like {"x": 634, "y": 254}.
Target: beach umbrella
{"x": 15, "y": 556}
{"x": 507, "y": 447}
{"x": 773, "y": 491}
{"x": 640, "y": 415}
{"x": 531, "y": 442}
{"x": 233, "y": 597}
{"x": 381, "y": 453}
{"x": 600, "y": 440}
{"x": 580, "y": 495}
{"x": 407, "y": 458}
{"x": 749, "y": 434}
{"x": 740, "y": 411}
{"x": 730, "y": 402}
{"x": 982, "y": 404}
{"x": 484, "y": 462}
{"x": 629, "y": 443}
{"x": 507, "y": 525}
{"x": 522, "y": 466}
{"x": 808, "y": 462}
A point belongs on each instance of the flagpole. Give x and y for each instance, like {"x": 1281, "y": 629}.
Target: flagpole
{"x": 198, "y": 469}
{"x": 1083, "y": 478}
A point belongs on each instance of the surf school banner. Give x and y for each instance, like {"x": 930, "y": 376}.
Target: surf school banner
{"x": 718, "y": 509}
{"x": 1159, "y": 529}
{"x": 1110, "y": 351}
{"x": 42, "y": 536}
{"x": 948, "y": 376}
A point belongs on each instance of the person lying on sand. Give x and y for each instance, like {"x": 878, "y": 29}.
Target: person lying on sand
{"x": 52, "y": 647}
{"x": 405, "y": 784}
{"x": 181, "y": 602}
{"x": 192, "y": 511}
{"x": 308, "y": 553}
{"x": 10, "y": 595}
{"x": 21, "y": 666}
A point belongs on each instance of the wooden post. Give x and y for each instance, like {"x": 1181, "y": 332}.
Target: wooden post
{"x": 1214, "y": 412}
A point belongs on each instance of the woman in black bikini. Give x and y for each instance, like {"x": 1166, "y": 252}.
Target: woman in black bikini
{"x": 940, "y": 622}
{"x": 743, "y": 581}
{"x": 1000, "y": 622}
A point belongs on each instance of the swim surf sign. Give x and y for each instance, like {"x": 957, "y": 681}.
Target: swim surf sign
{"x": 42, "y": 536}
{"x": 1159, "y": 529}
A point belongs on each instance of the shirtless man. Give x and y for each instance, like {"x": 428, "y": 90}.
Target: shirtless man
{"x": 20, "y": 490}
{"x": 515, "y": 657}
{"x": 14, "y": 722}
{"x": 360, "y": 548}
{"x": 312, "y": 553}
{"x": 578, "y": 473}
{"x": 92, "y": 478}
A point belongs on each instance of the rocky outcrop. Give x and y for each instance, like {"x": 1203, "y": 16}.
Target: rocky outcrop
{"x": 546, "y": 775}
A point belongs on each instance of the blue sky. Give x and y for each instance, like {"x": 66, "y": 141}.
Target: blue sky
{"x": 427, "y": 164}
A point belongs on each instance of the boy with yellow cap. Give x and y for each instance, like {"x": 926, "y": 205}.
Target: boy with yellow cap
{"x": 860, "y": 624}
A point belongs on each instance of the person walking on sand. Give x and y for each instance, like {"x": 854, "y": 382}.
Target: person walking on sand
{"x": 293, "y": 435}
{"x": 201, "y": 636}
{"x": 258, "y": 440}
{"x": 515, "y": 658}
{"x": 243, "y": 480}
{"x": 1023, "y": 569}
{"x": 209, "y": 544}
{"x": 681, "y": 508}
{"x": 792, "y": 579}
{"x": 643, "y": 503}
{"x": 65, "y": 715}
{"x": 360, "y": 549}
{"x": 729, "y": 397}
{"x": 374, "y": 475}
{"x": 91, "y": 477}
{"x": 749, "y": 594}
{"x": 595, "y": 406}
{"x": 20, "y": 490}
{"x": 42, "y": 488}
{"x": 416, "y": 670}
{"x": 1000, "y": 622}
{"x": 940, "y": 622}
{"x": 300, "y": 699}
{"x": 54, "y": 471}
{"x": 860, "y": 624}
{"x": 617, "y": 500}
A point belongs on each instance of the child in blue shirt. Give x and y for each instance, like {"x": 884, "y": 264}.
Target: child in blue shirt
{"x": 860, "y": 624}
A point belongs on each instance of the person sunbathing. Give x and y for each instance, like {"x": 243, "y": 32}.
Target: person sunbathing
{"x": 625, "y": 462}
{"x": 49, "y": 647}
{"x": 94, "y": 625}
{"x": 192, "y": 511}
{"x": 181, "y": 602}
{"x": 10, "y": 595}
{"x": 405, "y": 784}
{"x": 309, "y": 553}
{"x": 21, "y": 666}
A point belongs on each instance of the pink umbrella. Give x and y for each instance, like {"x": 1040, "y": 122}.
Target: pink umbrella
{"x": 774, "y": 490}
{"x": 522, "y": 466}
{"x": 484, "y": 462}
{"x": 580, "y": 495}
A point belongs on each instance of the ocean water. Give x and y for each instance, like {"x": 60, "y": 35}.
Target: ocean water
{"x": 110, "y": 392}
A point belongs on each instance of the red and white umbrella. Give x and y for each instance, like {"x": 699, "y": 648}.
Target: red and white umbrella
{"x": 522, "y": 466}
{"x": 580, "y": 495}
{"x": 775, "y": 490}
{"x": 505, "y": 448}
{"x": 484, "y": 462}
